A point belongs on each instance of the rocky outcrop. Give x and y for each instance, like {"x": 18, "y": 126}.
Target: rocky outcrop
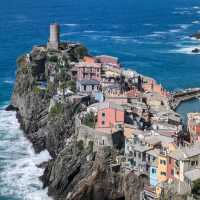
{"x": 32, "y": 102}
{"x": 77, "y": 174}
{"x": 196, "y": 35}
{"x": 74, "y": 172}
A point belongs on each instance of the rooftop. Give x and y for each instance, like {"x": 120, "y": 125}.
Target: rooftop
{"x": 107, "y": 104}
{"x": 141, "y": 148}
{"x": 193, "y": 174}
{"x": 186, "y": 152}
{"x": 154, "y": 152}
{"x": 89, "y": 82}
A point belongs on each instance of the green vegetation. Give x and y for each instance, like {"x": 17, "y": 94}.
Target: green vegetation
{"x": 90, "y": 120}
{"x": 80, "y": 51}
{"x": 56, "y": 110}
{"x": 80, "y": 145}
{"x": 196, "y": 189}
{"x": 37, "y": 90}
{"x": 63, "y": 76}
{"x": 50, "y": 89}
{"x": 22, "y": 64}
{"x": 71, "y": 85}
{"x": 90, "y": 146}
{"x": 53, "y": 58}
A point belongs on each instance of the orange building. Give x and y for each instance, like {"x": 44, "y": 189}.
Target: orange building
{"x": 150, "y": 85}
{"x": 89, "y": 59}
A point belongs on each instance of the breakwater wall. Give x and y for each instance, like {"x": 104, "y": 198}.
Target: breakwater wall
{"x": 183, "y": 95}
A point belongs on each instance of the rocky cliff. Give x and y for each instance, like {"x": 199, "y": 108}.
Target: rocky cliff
{"x": 74, "y": 172}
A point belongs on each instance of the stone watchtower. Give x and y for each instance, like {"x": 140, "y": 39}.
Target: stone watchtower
{"x": 54, "y": 37}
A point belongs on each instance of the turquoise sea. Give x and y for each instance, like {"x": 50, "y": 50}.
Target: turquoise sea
{"x": 151, "y": 37}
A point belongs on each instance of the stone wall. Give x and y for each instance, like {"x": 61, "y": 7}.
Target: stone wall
{"x": 87, "y": 135}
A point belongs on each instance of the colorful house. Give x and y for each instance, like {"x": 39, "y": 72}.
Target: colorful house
{"x": 109, "y": 115}
{"x": 185, "y": 159}
{"x": 152, "y": 161}
{"x": 150, "y": 85}
{"x": 170, "y": 168}
{"x": 108, "y": 60}
{"x": 162, "y": 167}
{"x": 194, "y": 127}
{"x": 88, "y": 71}
{"x": 88, "y": 86}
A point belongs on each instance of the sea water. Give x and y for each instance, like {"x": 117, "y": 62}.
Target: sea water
{"x": 150, "y": 36}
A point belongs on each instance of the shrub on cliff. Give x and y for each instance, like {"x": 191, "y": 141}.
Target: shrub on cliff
{"x": 57, "y": 110}
{"x": 22, "y": 64}
{"x": 89, "y": 120}
{"x": 196, "y": 189}
{"x": 71, "y": 85}
{"x": 37, "y": 90}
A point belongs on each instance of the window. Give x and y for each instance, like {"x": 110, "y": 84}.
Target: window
{"x": 149, "y": 158}
{"x": 134, "y": 154}
{"x": 163, "y": 173}
{"x": 139, "y": 155}
{"x": 172, "y": 172}
{"x": 162, "y": 162}
{"x": 84, "y": 87}
{"x": 103, "y": 114}
{"x": 170, "y": 160}
{"x": 177, "y": 163}
{"x": 103, "y": 122}
{"x": 153, "y": 171}
{"x": 194, "y": 162}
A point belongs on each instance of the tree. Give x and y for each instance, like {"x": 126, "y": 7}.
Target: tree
{"x": 196, "y": 189}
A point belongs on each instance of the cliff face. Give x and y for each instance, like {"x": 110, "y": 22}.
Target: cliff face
{"x": 75, "y": 172}
{"x": 32, "y": 100}
{"x": 78, "y": 175}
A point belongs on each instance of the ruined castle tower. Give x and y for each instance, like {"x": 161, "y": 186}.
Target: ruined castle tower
{"x": 54, "y": 37}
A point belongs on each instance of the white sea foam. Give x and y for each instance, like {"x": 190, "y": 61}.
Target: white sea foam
{"x": 196, "y": 22}
{"x": 148, "y": 24}
{"x": 185, "y": 26}
{"x": 71, "y": 25}
{"x": 19, "y": 172}
{"x": 183, "y": 12}
{"x": 184, "y": 49}
{"x": 196, "y": 7}
{"x": 174, "y": 30}
{"x": 9, "y": 81}
{"x": 156, "y": 34}
{"x": 69, "y": 33}
{"x": 88, "y": 31}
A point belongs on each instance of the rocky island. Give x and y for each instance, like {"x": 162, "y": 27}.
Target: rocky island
{"x": 110, "y": 131}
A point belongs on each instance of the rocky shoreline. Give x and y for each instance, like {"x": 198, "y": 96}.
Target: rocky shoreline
{"x": 75, "y": 172}
{"x": 65, "y": 175}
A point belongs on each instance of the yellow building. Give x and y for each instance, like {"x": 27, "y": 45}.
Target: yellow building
{"x": 162, "y": 167}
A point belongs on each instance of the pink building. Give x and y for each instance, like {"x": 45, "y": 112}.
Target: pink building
{"x": 88, "y": 71}
{"x": 150, "y": 85}
{"x": 108, "y": 60}
{"x": 109, "y": 114}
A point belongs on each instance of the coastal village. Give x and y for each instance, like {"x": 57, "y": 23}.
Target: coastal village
{"x": 132, "y": 114}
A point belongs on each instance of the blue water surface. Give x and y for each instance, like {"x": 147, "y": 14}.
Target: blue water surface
{"x": 150, "y": 36}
